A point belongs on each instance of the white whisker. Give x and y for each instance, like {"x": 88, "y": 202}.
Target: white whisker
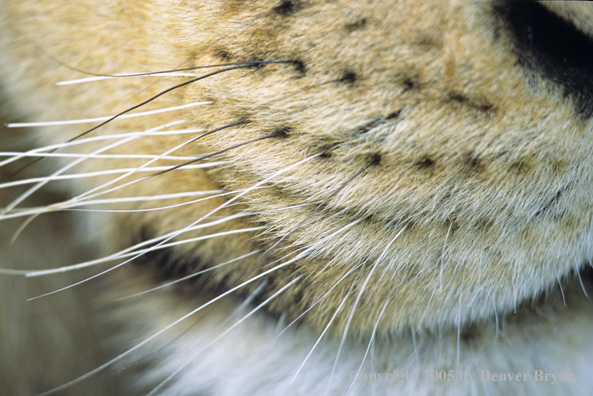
{"x": 8, "y": 271}
{"x": 120, "y": 75}
{"x": 362, "y": 289}
{"x": 137, "y": 254}
{"x": 190, "y": 276}
{"x": 37, "y": 186}
{"x": 415, "y": 344}
{"x": 340, "y": 188}
{"x": 442, "y": 260}
{"x": 163, "y": 242}
{"x": 373, "y": 334}
{"x": 106, "y": 172}
{"x": 193, "y": 201}
{"x": 319, "y": 339}
{"x": 21, "y": 228}
{"x": 84, "y": 140}
{"x": 105, "y": 118}
{"x": 582, "y": 285}
{"x": 237, "y": 323}
{"x": 319, "y": 300}
{"x": 158, "y": 333}
{"x": 247, "y": 190}
{"x": 459, "y": 319}
{"x": 171, "y": 341}
{"x": 321, "y": 241}
{"x": 427, "y": 308}
{"x": 125, "y": 252}
{"x": 74, "y": 206}
{"x": 562, "y": 292}
{"x": 210, "y": 195}
{"x": 89, "y": 194}
{"x": 94, "y": 156}
{"x": 495, "y": 316}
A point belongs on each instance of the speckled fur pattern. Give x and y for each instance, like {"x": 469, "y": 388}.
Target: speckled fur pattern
{"x": 369, "y": 187}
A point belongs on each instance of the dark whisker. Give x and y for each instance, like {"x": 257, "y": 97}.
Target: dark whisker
{"x": 166, "y": 91}
{"x": 234, "y": 146}
{"x": 190, "y": 68}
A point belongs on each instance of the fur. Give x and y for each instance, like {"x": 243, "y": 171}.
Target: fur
{"x": 408, "y": 179}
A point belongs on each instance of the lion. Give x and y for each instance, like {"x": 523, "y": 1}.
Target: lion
{"x": 297, "y": 197}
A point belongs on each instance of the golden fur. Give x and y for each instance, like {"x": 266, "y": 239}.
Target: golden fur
{"x": 421, "y": 168}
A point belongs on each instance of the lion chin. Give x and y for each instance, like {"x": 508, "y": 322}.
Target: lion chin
{"x": 290, "y": 197}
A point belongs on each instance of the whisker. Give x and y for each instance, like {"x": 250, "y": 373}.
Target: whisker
{"x": 237, "y": 323}
{"x": 37, "y": 186}
{"x": 21, "y": 228}
{"x": 115, "y": 76}
{"x": 166, "y": 73}
{"x": 53, "y": 147}
{"x": 495, "y": 316}
{"x": 102, "y": 173}
{"x": 158, "y": 333}
{"x": 167, "y": 237}
{"x": 322, "y": 204}
{"x": 234, "y": 146}
{"x": 11, "y": 272}
{"x": 151, "y": 99}
{"x": 305, "y": 251}
{"x": 311, "y": 247}
{"x": 193, "y": 201}
{"x": 458, "y": 337}
{"x": 562, "y": 292}
{"x": 106, "y": 118}
{"x": 192, "y": 140}
{"x": 247, "y": 190}
{"x": 210, "y": 194}
{"x": 65, "y": 206}
{"x": 319, "y": 338}
{"x": 171, "y": 341}
{"x": 125, "y": 252}
{"x": 373, "y": 334}
{"x": 190, "y": 276}
{"x": 582, "y": 285}
{"x": 319, "y": 300}
{"x": 356, "y": 302}
{"x": 93, "y": 156}
{"x": 415, "y": 345}
{"x": 142, "y": 252}
{"x": 173, "y": 88}
{"x": 442, "y": 260}
{"x": 286, "y": 169}
{"x": 427, "y": 308}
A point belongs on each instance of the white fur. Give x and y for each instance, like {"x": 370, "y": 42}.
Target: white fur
{"x": 253, "y": 360}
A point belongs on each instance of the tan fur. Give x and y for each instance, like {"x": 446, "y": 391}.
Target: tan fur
{"x": 453, "y": 177}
